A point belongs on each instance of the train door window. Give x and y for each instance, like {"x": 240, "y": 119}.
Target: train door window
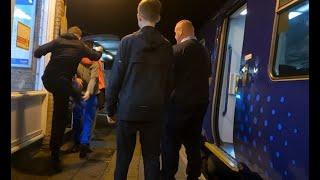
{"x": 232, "y": 57}
{"x": 284, "y": 2}
{"x": 290, "y": 56}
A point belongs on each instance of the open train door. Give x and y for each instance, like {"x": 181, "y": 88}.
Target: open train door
{"x": 227, "y": 75}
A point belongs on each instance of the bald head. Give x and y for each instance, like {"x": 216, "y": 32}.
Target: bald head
{"x": 183, "y": 29}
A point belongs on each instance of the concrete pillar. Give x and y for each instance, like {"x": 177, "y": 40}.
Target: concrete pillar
{"x": 60, "y": 7}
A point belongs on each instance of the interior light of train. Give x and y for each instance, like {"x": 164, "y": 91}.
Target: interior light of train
{"x": 299, "y": 11}
{"x": 238, "y": 96}
{"x": 294, "y": 14}
{"x": 21, "y": 14}
{"x": 244, "y": 12}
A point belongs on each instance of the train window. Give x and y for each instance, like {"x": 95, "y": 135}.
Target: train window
{"x": 291, "y": 50}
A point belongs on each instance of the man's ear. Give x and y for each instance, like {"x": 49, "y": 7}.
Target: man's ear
{"x": 138, "y": 17}
{"x": 180, "y": 32}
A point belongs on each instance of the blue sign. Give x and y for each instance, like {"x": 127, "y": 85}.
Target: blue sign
{"x": 23, "y": 62}
{"x": 24, "y": 2}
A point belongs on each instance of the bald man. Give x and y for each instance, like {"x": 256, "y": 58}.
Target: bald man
{"x": 188, "y": 103}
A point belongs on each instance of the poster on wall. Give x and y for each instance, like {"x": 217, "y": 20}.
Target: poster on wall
{"x": 23, "y": 36}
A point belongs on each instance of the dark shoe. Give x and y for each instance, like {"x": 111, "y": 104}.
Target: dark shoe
{"x": 90, "y": 150}
{"x": 55, "y": 162}
{"x": 55, "y": 156}
{"x": 56, "y": 166}
{"x": 84, "y": 150}
{"x": 75, "y": 148}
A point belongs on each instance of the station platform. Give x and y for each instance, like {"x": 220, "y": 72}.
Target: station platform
{"x": 100, "y": 164}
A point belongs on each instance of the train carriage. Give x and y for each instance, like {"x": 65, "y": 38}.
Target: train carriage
{"x": 258, "y": 117}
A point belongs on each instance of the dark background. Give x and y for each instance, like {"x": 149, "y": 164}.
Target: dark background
{"x": 118, "y": 17}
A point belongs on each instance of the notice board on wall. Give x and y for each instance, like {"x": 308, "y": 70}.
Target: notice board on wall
{"x": 23, "y": 36}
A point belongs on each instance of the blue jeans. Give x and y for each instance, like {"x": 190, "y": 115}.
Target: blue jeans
{"x": 83, "y": 118}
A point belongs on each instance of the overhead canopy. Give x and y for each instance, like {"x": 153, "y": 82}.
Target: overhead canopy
{"x": 118, "y": 17}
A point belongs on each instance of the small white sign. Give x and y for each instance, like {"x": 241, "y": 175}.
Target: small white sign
{"x": 248, "y": 57}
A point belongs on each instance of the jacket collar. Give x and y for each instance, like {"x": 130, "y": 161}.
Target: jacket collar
{"x": 188, "y": 38}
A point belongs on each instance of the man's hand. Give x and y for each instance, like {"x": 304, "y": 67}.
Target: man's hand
{"x": 86, "y": 96}
{"x": 79, "y": 82}
{"x": 112, "y": 119}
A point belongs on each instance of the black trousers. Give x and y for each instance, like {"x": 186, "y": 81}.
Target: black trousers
{"x": 101, "y": 98}
{"x": 61, "y": 89}
{"x": 183, "y": 126}
{"x": 150, "y": 135}
{"x": 59, "y": 121}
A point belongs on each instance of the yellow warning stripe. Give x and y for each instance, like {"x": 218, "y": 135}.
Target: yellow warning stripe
{"x": 223, "y": 156}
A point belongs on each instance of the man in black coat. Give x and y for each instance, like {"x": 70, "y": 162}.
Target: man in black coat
{"x": 138, "y": 91}
{"x": 66, "y": 53}
{"x": 188, "y": 103}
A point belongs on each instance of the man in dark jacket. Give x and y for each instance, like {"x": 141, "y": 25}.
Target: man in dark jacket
{"x": 188, "y": 103}
{"x": 66, "y": 53}
{"x": 138, "y": 91}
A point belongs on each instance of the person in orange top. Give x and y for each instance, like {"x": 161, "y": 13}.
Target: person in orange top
{"x": 102, "y": 84}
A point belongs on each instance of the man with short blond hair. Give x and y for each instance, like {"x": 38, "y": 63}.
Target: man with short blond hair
{"x": 138, "y": 91}
{"x": 188, "y": 103}
{"x": 149, "y": 10}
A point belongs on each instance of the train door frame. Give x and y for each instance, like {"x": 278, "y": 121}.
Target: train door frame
{"x": 232, "y": 56}
{"x": 221, "y": 40}
{"x": 215, "y": 148}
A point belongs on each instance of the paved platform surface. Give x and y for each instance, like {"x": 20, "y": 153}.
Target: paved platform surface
{"x": 100, "y": 164}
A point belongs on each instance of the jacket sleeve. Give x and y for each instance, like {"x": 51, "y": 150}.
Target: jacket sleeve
{"x": 176, "y": 55}
{"x": 118, "y": 72}
{"x": 93, "y": 78}
{"x": 44, "y": 49}
{"x": 91, "y": 53}
{"x": 208, "y": 61}
{"x": 171, "y": 76}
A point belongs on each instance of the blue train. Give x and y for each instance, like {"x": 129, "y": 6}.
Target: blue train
{"x": 258, "y": 117}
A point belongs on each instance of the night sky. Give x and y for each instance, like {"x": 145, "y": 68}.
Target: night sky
{"x": 118, "y": 17}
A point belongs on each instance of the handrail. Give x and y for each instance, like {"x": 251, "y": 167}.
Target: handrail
{"x": 228, "y": 78}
